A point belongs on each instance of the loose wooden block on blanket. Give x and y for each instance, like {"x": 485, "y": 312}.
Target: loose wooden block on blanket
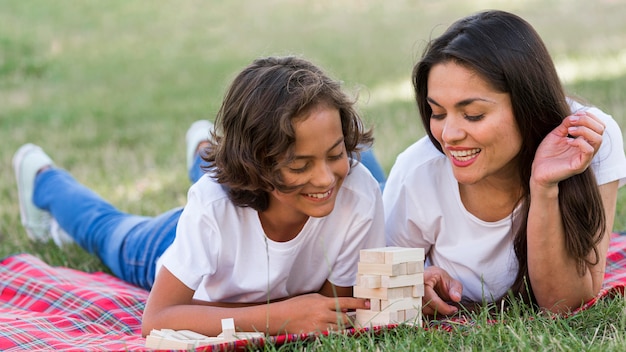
{"x": 187, "y": 339}
{"x": 392, "y": 278}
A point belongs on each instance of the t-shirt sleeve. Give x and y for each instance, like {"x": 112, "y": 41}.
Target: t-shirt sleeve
{"x": 609, "y": 164}
{"x": 193, "y": 253}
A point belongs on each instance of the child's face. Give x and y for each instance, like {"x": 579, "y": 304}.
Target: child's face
{"x": 318, "y": 169}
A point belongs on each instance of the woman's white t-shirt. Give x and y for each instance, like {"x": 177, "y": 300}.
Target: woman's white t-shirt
{"x": 423, "y": 208}
{"x": 222, "y": 253}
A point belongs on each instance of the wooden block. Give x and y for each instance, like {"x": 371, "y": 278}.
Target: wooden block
{"x": 394, "y": 255}
{"x": 367, "y": 318}
{"x": 401, "y": 304}
{"x": 402, "y": 269}
{"x": 418, "y": 291}
{"x": 413, "y": 316}
{"x": 415, "y": 267}
{"x": 382, "y": 269}
{"x": 401, "y": 280}
{"x": 383, "y": 292}
{"x": 161, "y": 343}
{"x": 191, "y": 335}
{"x": 168, "y": 339}
{"x": 242, "y": 336}
{"x": 372, "y": 255}
{"x": 178, "y": 339}
{"x": 368, "y": 281}
{"x": 228, "y": 329}
{"x": 391, "y": 255}
{"x": 375, "y": 304}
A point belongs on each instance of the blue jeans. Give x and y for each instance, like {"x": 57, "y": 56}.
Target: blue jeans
{"x": 129, "y": 245}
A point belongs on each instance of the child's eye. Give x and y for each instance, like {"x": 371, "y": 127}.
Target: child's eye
{"x": 297, "y": 169}
{"x": 336, "y": 157}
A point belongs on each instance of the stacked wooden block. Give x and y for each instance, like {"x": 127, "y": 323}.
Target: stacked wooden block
{"x": 392, "y": 278}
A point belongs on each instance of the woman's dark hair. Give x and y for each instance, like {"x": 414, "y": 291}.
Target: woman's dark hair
{"x": 254, "y": 133}
{"x": 505, "y": 51}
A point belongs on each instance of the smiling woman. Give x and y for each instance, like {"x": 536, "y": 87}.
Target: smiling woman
{"x": 514, "y": 188}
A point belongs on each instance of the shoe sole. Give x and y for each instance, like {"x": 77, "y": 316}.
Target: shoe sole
{"x": 17, "y": 163}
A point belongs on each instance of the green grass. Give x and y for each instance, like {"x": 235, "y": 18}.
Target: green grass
{"x": 109, "y": 88}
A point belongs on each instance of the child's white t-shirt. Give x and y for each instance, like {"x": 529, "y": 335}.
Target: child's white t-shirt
{"x": 423, "y": 208}
{"x": 221, "y": 250}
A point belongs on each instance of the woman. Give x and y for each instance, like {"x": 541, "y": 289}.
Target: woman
{"x": 515, "y": 186}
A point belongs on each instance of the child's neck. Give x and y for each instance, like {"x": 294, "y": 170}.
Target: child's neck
{"x": 281, "y": 228}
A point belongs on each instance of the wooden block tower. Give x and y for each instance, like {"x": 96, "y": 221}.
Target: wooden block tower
{"x": 392, "y": 278}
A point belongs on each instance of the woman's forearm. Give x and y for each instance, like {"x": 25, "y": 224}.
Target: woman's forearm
{"x": 553, "y": 272}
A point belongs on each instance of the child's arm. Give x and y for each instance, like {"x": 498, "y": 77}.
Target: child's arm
{"x": 330, "y": 290}
{"x": 170, "y": 306}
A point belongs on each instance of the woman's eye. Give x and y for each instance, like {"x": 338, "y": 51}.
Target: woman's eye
{"x": 437, "y": 116}
{"x": 474, "y": 117}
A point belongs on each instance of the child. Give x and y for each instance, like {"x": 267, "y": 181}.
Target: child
{"x": 270, "y": 236}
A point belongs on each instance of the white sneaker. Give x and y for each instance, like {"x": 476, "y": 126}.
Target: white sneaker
{"x": 197, "y": 133}
{"x": 27, "y": 161}
{"x": 60, "y": 237}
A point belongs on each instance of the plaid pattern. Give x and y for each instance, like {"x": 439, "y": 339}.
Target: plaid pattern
{"x": 56, "y": 308}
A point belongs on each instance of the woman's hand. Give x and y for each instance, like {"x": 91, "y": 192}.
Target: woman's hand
{"x": 568, "y": 149}
{"x": 440, "y": 288}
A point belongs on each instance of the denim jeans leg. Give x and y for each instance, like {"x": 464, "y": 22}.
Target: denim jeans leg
{"x": 196, "y": 170}
{"x": 114, "y": 236}
{"x": 368, "y": 159}
{"x": 145, "y": 243}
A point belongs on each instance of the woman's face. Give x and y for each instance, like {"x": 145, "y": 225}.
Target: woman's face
{"x": 319, "y": 167}
{"x": 474, "y": 124}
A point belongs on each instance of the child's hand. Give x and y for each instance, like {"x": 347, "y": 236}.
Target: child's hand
{"x": 316, "y": 313}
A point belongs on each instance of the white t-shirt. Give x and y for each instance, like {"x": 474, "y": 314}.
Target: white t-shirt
{"x": 221, "y": 250}
{"x": 423, "y": 208}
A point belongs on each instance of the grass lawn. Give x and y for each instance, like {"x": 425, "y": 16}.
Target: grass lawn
{"x": 109, "y": 88}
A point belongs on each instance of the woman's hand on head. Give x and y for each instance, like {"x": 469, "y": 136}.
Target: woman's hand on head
{"x": 568, "y": 149}
{"x": 440, "y": 288}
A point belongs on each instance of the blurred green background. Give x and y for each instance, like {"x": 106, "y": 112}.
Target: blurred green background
{"x": 108, "y": 88}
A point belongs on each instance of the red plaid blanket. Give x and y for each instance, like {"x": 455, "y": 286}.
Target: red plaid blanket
{"x": 56, "y": 308}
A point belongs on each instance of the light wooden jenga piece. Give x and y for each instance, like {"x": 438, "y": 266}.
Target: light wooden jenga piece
{"x": 382, "y": 269}
{"x": 418, "y": 291}
{"x": 391, "y": 255}
{"x": 401, "y": 280}
{"x": 368, "y": 280}
{"x": 228, "y": 329}
{"x": 392, "y": 278}
{"x": 401, "y": 304}
{"x": 178, "y": 339}
{"x": 165, "y": 339}
{"x": 367, "y": 318}
{"x": 394, "y": 255}
{"x": 415, "y": 267}
{"x": 383, "y": 292}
